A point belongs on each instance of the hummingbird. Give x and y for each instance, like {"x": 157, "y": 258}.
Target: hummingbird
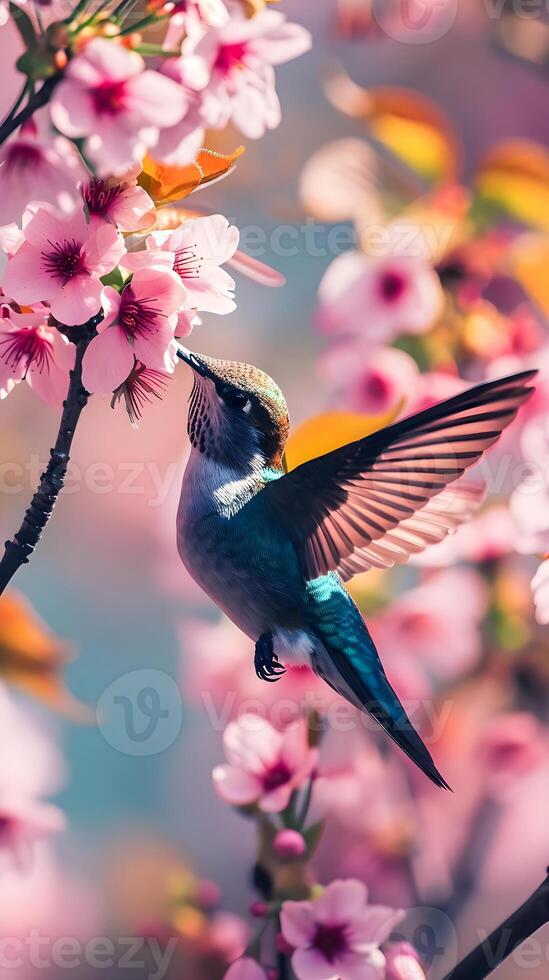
{"x": 273, "y": 549}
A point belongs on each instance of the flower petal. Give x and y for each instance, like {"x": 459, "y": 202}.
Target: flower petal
{"x": 236, "y": 786}
{"x": 298, "y": 922}
{"x": 107, "y": 361}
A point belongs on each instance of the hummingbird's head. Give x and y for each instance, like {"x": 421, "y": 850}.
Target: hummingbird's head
{"x": 237, "y": 414}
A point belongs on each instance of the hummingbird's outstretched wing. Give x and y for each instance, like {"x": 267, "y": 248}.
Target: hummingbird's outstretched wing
{"x": 371, "y": 493}
{"x": 348, "y": 661}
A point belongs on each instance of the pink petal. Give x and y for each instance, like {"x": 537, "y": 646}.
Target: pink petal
{"x": 370, "y": 965}
{"x": 51, "y": 382}
{"x": 158, "y": 100}
{"x": 153, "y": 348}
{"x": 256, "y": 270}
{"x": 72, "y": 110}
{"x": 161, "y": 288}
{"x": 251, "y": 743}
{"x": 133, "y": 210}
{"x": 147, "y": 259}
{"x": 298, "y": 922}
{"x": 44, "y": 225}
{"x": 212, "y": 291}
{"x": 282, "y": 43}
{"x": 104, "y": 249}
{"x": 277, "y": 800}
{"x": 25, "y": 280}
{"x": 374, "y": 925}
{"x": 340, "y": 901}
{"x": 102, "y": 61}
{"x": 309, "y": 964}
{"x": 110, "y": 301}
{"x": 211, "y": 237}
{"x": 245, "y": 969}
{"x": 77, "y": 301}
{"x": 236, "y": 786}
{"x": 107, "y": 362}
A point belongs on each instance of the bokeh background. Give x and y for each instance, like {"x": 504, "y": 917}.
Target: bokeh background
{"x": 107, "y": 579}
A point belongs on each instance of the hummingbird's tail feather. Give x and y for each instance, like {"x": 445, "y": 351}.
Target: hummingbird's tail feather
{"x": 375, "y": 695}
{"x": 348, "y": 661}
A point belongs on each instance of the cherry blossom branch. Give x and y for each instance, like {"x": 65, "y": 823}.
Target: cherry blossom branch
{"x": 493, "y": 950}
{"x": 19, "y": 549}
{"x": 39, "y": 99}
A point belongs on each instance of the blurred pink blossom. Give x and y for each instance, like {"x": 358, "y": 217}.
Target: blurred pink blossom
{"x": 510, "y": 747}
{"x": 107, "y": 98}
{"x": 31, "y": 350}
{"x": 195, "y": 251}
{"x": 529, "y": 503}
{"x": 245, "y": 969}
{"x": 190, "y": 17}
{"x": 433, "y": 387}
{"x": 34, "y": 169}
{"x": 228, "y": 935}
{"x": 240, "y": 58}
{"x": 264, "y": 765}
{"x": 121, "y": 201}
{"x": 378, "y": 298}
{"x": 489, "y": 536}
{"x": 180, "y": 144}
{"x": 431, "y": 626}
{"x": 338, "y": 934}
{"x": 369, "y": 381}
{"x": 139, "y": 323}
{"x": 540, "y": 592}
{"x": 22, "y": 822}
{"x": 60, "y": 262}
{"x": 403, "y": 963}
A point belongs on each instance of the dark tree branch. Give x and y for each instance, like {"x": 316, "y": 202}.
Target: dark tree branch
{"x": 18, "y": 550}
{"x": 526, "y": 920}
{"x": 41, "y": 98}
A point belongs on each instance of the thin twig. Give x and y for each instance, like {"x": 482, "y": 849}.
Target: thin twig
{"x": 39, "y": 99}
{"x": 19, "y": 549}
{"x": 493, "y": 950}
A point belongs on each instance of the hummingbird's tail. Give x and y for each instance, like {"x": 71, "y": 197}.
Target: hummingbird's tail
{"x": 349, "y": 662}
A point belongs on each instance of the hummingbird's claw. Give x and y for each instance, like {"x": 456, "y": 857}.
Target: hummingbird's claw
{"x": 266, "y": 662}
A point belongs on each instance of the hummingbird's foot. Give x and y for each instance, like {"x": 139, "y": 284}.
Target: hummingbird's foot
{"x": 266, "y": 662}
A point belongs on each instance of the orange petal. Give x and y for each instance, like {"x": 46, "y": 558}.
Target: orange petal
{"x": 31, "y": 656}
{"x": 529, "y": 261}
{"x": 514, "y": 176}
{"x": 167, "y": 184}
{"x": 330, "y": 430}
{"x": 409, "y": 125}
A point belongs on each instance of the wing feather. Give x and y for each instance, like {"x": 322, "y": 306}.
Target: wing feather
{"x": 373, "y": 502}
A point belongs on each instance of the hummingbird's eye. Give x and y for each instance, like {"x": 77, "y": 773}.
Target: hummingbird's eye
{"x": 234, "y": 398}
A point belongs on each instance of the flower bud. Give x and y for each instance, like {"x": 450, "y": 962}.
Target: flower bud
{"x": 289, "y": 844}
{"x": 402, "y": 963}
{"x": 259, "y": 910}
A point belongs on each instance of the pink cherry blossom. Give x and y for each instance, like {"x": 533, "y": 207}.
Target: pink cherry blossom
{"x": 108, "y": 98}
{"x": 427, "y": 625}
{"x": 195, "y": 251}
{"x": 264, "y": 765}
{"x": 378, "y": 298}
{"x": 22, "y": 822}
{"x": 540, "y": 593}
{"x": 179, "y": 145}
{"x": 433, "y": 387}
{"x": 31, "y": 350}
{"x": 60, "y": 262}
{"x": 33, "y": 169}
{"x": 510, "y": 746}
{"x": 239, "y": 59}
{"x": 403, "y": 963}
{"x": 369, "y": 381}
{"x": 120, "y": 201}
{"x": 339, "y": 934}
{"x": 139, "y": 324}
{"x": 140, "y": 387}
{"x": 245, "y": 969}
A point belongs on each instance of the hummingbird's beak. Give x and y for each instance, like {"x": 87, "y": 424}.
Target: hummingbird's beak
{"x": 192, "y": 360}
